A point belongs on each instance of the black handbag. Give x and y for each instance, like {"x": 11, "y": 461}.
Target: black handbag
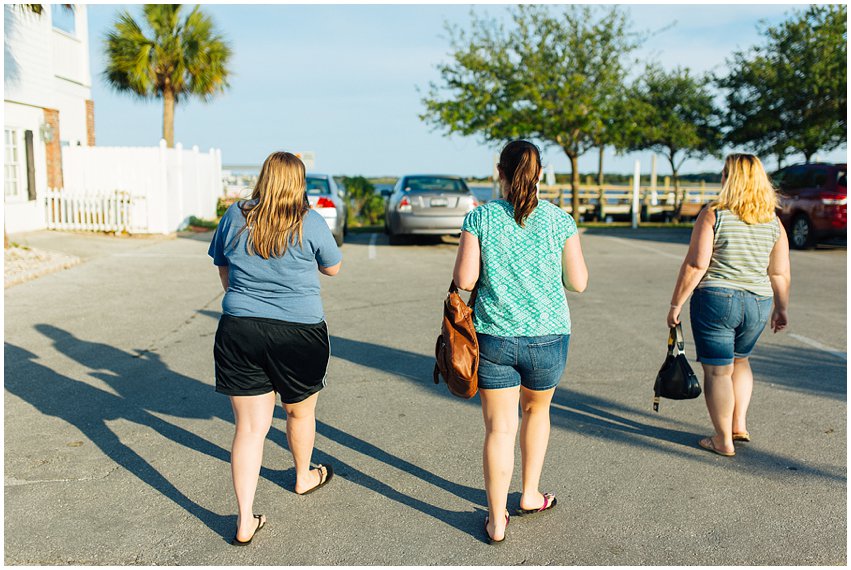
{"x": 676, "y": 379}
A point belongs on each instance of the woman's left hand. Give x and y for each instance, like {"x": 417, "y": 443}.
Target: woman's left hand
{"x": 674, "y": 316}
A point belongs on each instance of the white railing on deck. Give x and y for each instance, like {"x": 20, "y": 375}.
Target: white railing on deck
{"x": 101, "y": 212}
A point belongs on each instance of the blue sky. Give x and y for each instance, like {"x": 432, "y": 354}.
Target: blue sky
{"x": 341, "y": 81}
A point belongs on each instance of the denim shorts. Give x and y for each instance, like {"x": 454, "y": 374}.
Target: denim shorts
{"x": 726, "y": 323}
{"x": 535, "y": 362}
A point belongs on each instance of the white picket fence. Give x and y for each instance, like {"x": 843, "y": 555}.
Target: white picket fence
{"x": 135, "y": 189}
{"x": 103, "y": 212}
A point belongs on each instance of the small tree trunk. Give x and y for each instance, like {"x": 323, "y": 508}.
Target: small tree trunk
{"x": 574, "y": 185}
{"x": 168, "y": 116}
{"x": 678, "y": 198}
{"x": 808, "y": 154}
{"x": 601, "y": 195}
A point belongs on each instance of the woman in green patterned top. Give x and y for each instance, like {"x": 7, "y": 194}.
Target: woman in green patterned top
{"x": 737, "y": 263}
{"x": 523, "y": 254}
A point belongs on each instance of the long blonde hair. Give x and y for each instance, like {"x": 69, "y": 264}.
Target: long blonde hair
{"x": 274, "y": 216}
{"x": 747, "y": 192}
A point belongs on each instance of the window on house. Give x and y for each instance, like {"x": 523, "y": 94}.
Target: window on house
{"x": 63, "y": 18}
{"x": 12, "y": 164}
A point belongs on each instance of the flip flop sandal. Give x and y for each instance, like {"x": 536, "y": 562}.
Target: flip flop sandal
{"x": 707, "y": 444}
{"x": 743, "y": 436}
{"x": 260, "y": 524}
{"x": 549, "y": 502}
{"x": 328, "y": 473}
{"x": 491, "y": 540}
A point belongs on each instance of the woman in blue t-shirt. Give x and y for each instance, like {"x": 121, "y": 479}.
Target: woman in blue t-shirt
{"x": 272, "y": 336}
{"x": 523, "y": 253}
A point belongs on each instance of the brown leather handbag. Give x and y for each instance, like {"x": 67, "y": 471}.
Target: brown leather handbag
{"x": 457, "y": 349}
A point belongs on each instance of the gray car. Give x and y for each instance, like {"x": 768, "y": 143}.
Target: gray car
{"x": 329, "y": 200}
{"x": 427, "y": 204}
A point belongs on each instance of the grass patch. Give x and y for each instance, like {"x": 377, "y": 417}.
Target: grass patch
{"x": 203, "y": 224}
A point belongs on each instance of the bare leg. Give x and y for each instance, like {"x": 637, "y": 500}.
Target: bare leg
{"x": 534, "y": 437}
{"x": 499, "y": 408}
{"x": 301, "y": 433}
{"x": 253, "y": 418}
{"x": 742, "y": 390}
{"x": 720, "y": 401}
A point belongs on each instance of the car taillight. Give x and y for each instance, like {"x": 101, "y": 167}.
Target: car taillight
{"x": 475, "y": 203}
{"x": 404, "y": 205}
{"x": 323, "y": 202}
{"x": 834, "y": 199}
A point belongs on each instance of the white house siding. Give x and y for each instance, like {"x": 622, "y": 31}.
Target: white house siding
{"x": 21, "y": 214}
{"x": 44, "y": 68}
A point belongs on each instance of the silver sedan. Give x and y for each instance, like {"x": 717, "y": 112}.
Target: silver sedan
{"x": 427, "y": 204}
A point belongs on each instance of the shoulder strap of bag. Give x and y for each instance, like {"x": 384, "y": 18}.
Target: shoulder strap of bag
{"x": 675, "y": 337}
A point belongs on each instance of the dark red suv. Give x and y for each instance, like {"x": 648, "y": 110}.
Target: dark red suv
{"x": 813, "y": 202}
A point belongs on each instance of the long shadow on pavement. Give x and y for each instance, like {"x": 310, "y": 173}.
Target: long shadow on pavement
{"x": 145, "y": 384}
{"x": 89, "y": 409}
{"x": 580, "y": 413}
{"x": 792, "y": 368}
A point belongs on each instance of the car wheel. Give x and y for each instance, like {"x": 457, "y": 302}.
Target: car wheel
{"x": 801, "y": 235}
{"x": 339, "y": 239}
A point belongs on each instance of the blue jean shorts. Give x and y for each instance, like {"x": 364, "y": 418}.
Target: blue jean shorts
{"x": 726, "y": 323}
{"x": 535, "y": 362}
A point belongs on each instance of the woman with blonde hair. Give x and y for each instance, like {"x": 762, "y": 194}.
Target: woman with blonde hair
{"x": 737, "y": 263}
{"x": 523, "y": 253}
{"x": 272, "y": 337}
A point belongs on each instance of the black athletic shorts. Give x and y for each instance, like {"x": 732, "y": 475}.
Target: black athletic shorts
{"x": 256, "y": 356}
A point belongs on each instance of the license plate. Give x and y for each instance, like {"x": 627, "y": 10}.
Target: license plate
{"x": 438, "y": 202}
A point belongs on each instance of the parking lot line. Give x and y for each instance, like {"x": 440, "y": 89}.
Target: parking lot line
{"x": 372, "y": 252}
{"x": 820, "y": 346}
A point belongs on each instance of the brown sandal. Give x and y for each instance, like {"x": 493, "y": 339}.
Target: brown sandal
{"x": 709, "y": 445}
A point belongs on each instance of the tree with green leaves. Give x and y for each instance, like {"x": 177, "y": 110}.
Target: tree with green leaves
{"x": 673, "y": 113}
{"x": 167, "y": 56}
{"x": 789, "y": 95}
{"x": 548, "y": 77}
{"x": 365, "y": 206}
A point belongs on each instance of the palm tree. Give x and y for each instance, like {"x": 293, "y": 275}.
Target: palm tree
{"x": 172, "y": 58}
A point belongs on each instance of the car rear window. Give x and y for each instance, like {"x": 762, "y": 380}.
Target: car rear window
{"x": 317, "y": 186}
{"x": 842, "y": 180}
{"x": 434, "y": 184}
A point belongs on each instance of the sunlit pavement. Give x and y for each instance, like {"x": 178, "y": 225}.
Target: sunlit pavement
{"x": 117, "y": 446}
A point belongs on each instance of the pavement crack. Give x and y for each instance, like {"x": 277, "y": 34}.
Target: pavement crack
{"x": 155, "y": 346}
{"x": 11, "y": 481}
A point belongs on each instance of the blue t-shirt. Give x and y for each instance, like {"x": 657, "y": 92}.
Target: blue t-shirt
{"x": 285, "y": 288}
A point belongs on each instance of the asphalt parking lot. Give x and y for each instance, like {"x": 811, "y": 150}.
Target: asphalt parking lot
{"x": 117, "y": 447}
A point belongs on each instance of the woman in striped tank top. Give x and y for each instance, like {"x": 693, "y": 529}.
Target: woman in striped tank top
{"x": 737, "y": 262}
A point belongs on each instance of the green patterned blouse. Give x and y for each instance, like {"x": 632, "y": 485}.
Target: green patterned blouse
{"x": 520, "y": 287}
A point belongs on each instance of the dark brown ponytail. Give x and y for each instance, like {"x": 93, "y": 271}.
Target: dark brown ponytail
{"x": 520, "y": 163}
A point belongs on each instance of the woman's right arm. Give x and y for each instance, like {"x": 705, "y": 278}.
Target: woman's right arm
{"x": 574, "y": 272}
{"x": 780, "y": 274}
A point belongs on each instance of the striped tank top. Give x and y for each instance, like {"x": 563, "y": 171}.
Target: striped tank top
{"x": 740, "y": 254}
